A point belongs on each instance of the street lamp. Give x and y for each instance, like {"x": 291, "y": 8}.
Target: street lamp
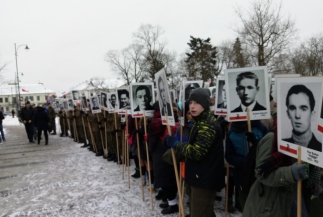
{"x": 18, "y": 88}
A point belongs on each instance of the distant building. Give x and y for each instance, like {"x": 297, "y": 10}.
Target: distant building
{"x": 34, "y": 93}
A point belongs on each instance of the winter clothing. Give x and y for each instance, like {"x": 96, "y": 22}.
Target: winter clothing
{"x": 201, "y": 96}
{"x": 41, "y": 120}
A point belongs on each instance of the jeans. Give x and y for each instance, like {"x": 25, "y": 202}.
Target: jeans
{"x": 30, "y": 131}
{"x": 1, "y": 131}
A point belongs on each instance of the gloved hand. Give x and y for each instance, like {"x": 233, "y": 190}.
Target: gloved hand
{"x": 146, "y": 138}
{"x": 299, "y": 171}
{"x": 265, "y": 168}
{"x": 251, "y": 137}
{"x": 171, "y": 141}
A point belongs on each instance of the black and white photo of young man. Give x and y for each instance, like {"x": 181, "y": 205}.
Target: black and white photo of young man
{"x": 95, "y": 105}
{"x": 112, "y": 98}
{"x": 142, "y": 98}
{"x": 124, "y": 99}
{"x": 104, "y": 99}
{"x": 75, "y": 94}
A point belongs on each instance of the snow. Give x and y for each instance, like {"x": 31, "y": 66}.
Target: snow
{"x": 62, "y": 179}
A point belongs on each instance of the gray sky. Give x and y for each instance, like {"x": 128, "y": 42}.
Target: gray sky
{"x": 68, "y": 39}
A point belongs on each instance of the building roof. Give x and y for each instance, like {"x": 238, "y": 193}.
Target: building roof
{"x": 25, "y": 89}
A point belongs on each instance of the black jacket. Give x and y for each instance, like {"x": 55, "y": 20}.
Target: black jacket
{"x": 1, "y": 117}
{"x": 257, "y": 107}
{"x": 41, "y": 119}
{"x": 313, "y": 144}
{"x": 27, "y": 114}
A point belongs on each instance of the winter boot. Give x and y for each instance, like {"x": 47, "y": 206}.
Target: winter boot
{"x": 170, "y": 210}
{"x": 136, "y": 174}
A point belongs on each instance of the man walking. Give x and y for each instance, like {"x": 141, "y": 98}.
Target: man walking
{"x": 1, "y": 127}
{"x": 52, "y": 115}
{"x": 27, "y": 114}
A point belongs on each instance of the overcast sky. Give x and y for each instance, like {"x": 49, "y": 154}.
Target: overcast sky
{"x": 68, "y": 39}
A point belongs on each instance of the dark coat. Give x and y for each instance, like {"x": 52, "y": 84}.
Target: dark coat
{"x": 27, "y": 114}
{"x": 257, "y": 107}
{"x": 1, "y": 117}
{"x": 163, "y": 172}
{"x": 313, "y": 144}
{"x": 41, "y": 119}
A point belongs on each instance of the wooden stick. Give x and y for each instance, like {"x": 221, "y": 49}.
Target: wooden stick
{"x": 123, "y": 153}
{"x": 227, "y": 191}
{"x": 138, "y": 147}
{"x": 64, "y": 122}
{"x": 148, "y": 161}
{"x": 181, "y": 208}
{"x": 102, "y": 141}
{"x": 105, "y": 133}
{"x": 299, "y": 185}
{"x": 92, "y": 138}
{"x": 84, "y": 129}
{"x": 127, "y": 150}
{"x": 249, "y": 124}
{"x": 75, "y": 129}
{"x": 115, "y": 126}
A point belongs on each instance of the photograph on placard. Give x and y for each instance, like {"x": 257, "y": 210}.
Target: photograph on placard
{"x": 94, "y": 104}
{"x": 58, "y": 105}
{"x": 212, "y": 97}
{"x": 142, "y": 99}
{"x": 76, "y": 102}
{"x": 181, "y": 103}
{"x": 164, "y": 98}
{"x": 274, "y": 86}
{"x": 123, "y": 100}
{"x": 84, "y": 103}
{"x": 298, "y": 107}
{"x": 221, "y": 98}
{"x": 172, "y": 96}
{"x": 104, "y": 100}
{"x": 65, "y": 104}
{"x": 112, "y": 99}
{"x": 189, "y": 86}
{"x": 247, "y": 88}
{"x": 70, "y": 104}
{"x": 76, "y": 94}
{"x": 155, "y": 94}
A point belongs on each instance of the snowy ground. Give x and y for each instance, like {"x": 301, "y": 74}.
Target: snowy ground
{"x": 62, "y": 179}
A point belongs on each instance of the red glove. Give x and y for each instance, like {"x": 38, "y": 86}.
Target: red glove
{"x": 146, "y": 138}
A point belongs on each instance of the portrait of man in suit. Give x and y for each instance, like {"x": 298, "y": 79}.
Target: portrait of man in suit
{"x": 104, "y": 100}
{"x": 84, "y": 103}
{"x": 143, "y": 98}
{"x": 75, "y": 95}
{"x": 223, "y": 95}
{"x": 124, "y": 101}
{"x": 70, "y": 104}
{"x": 164, "y": 104}
{"x": 300, "y": 103}
{"x": 247, "y": 90}
{"x": 95, "y": 104}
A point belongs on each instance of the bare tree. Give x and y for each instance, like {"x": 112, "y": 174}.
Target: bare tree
{"x": 265, "y": 30}
{"x": 101, "y": 84}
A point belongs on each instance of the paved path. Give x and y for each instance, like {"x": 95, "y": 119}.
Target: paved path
{"x": 62, "y": 179}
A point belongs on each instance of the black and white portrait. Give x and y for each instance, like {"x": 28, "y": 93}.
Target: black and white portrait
{"x": 84, "y": 103}
{"x": 189, "y": 86}
{"x": 142, "y": 99}
{"x": 104, "y": 100}
{"x": 76, "y": 94}
{"x": 123, "y": 97}
{"x": 112, "y": 99}
{"x": 172, "y": 96}
{"x": 212, "y": 97}
{"x": 298, "y": 111}
{"x": 95, "y": 105}
{"x": 164, "y": 97}
{"x": 70, "y": 104}
{"x": 65, "y": 104}
{"x": 221, "y": 97}
{"x": 155, "y": 94}
{"x": 246, "y": 88}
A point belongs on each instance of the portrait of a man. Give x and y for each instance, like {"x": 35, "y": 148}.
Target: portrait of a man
{"x": 142, "y": 98}
{"x": 65, "y": 105}
{"x": 94, "y": 103}
{"x": 300, "y": 103}
{"x": 84, "y": 103}
{"x": 104, "y": 100}
{"x": 247, "y": 89}
{"x": 76, "y": 95}
{"x": 124, "y": 100}
{"x": 70, "y": 104}
{"x": 112, "y": 100}
{"x": 163, "y": 101}
{"x": 222, "y": 95}
{"x": 188, "y": 89}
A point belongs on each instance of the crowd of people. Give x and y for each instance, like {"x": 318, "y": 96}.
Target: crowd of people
{"x": 262, "y": 181}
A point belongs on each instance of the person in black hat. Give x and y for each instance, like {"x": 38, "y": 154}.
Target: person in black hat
{"x": 204, "y": 154}
{"x": 27, "y": 115}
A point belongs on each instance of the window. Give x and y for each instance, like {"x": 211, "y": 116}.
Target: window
{"x": 14, "y": 99}
{"x": 38, "y": 98}
{"x": 6, "y": 99}
{"x": 1, "y": 100}
{"x": 31, "y": 98}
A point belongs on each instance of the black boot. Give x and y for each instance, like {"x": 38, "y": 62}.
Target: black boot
{"x": 160, "y": 195}
{"x": 38, "y": 141}
{"x": 113, "y": 156}
{"x": 100, "y": 153}
{"x": 170, "y": 210}
{"x": 46, "y": 143}
{"x": 53, "y": 133}
{"x": 136, "y": 174}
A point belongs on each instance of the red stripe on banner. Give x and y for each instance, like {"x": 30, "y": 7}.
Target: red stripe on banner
{"x": 288, "y": 149}
{"x": 164, "y": 121}
{"x": 320, "y": 128}
{"x": 122, "y": 112}
{"x": 138, "y": 115}
{"x": 238, "y": 117}
{"x": 221, "y": 112}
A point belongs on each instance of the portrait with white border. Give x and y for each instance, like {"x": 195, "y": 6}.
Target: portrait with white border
{"x": 112, "y": 101}
{"x": 172, "y": 96}
{"x": 75, "y": 94}
{"x": 123, "y": 100}
{"x": 104, "y": 100}
{"x": 274, "y": 88}
{"x": 142, "y": 99}
{"x": 247, "y": 88}
{"x": 70, "y": 104}
{"x": 65, "y": 104}
{"x": 95, "y": 104}
{"x": 84, "y": 103}
{"x": 221, "y": 98}
{"x": 212, "y": 97}
{"x": 189, "y": 86}
{"x": 298, "y": 106}
{"x": 164, "y": 98}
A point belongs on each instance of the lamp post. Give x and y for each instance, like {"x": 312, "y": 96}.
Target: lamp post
{"x": 18, "y": 88}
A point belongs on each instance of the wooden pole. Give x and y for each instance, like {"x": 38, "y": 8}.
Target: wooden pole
{"x": 93, "y": 141}
{"x": 299, "y": 185}
{"x": 84, "y": 129}
{"x": 227, "y": 191}
{"x": 138, "y": 147}
{"x": 249, "y": 123}
{"x": 75, "y": 129}
{"x": 123, "y": 153}
{"x": 105, "y": 133}
{"x": 115, "y": 127}
{"x": 148, "y": 161}
{"x": 102, "y": 141}
{"x": 127, "y": 150}
{"x": 64, "y": 122}
{"x": 181, "y": 208}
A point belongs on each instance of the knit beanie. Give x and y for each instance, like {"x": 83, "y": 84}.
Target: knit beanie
{"x": 201, "y": 96}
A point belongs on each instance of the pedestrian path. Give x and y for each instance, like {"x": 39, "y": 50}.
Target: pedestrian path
{"x": 62, "y": 179}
